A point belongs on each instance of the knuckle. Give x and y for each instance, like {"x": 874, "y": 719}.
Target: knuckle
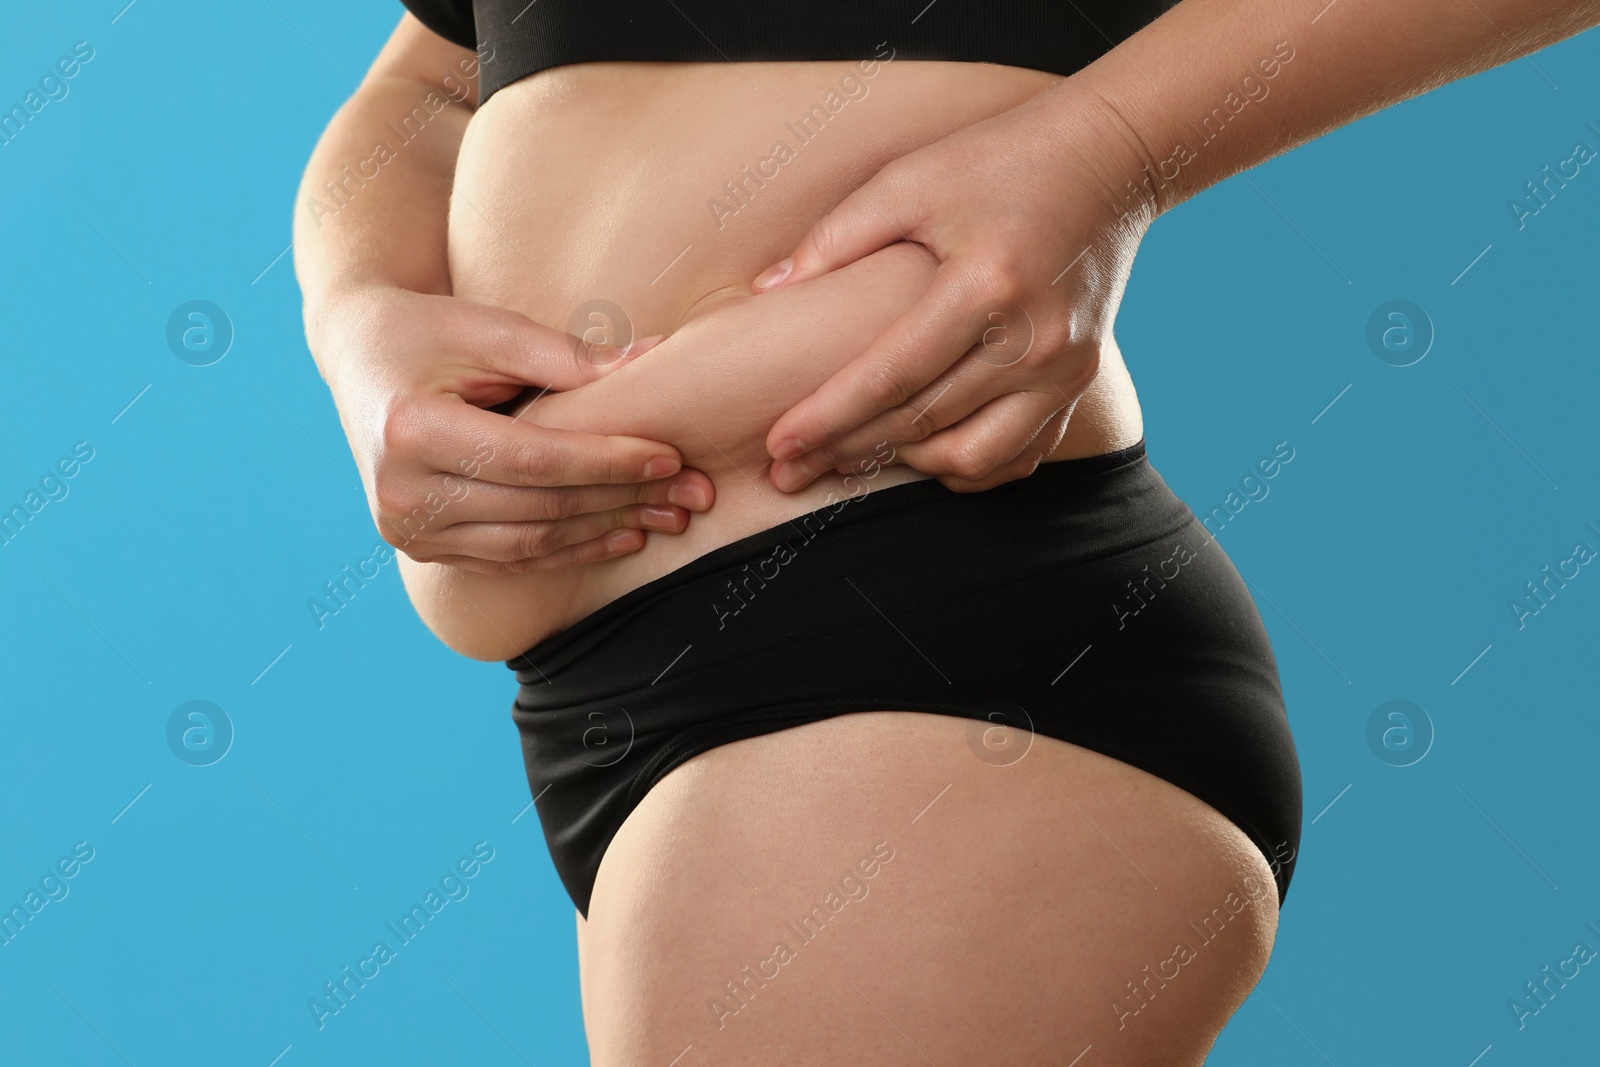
{"x": 620, "y": 466}
{"x": 902, "y": 185}
{"x": 554, "y": 503}
{"x": 534, "y": 463}
{"x": 970, "y": 462}
{"x": 911, "y": 422}
{"x": 535, "y": 540}
{"x": 1005, "y": 286}
{"x": 887, "y": 383}
{"x": 394, "y": 538}
{"x": 402, "y": 429}
{"x": 422, "y": 553}
{"x": 391, "y": 502}
{"x": 495, "y": 336}
{"x": 1051, "y": 337}
{"x": 825, "y": 239}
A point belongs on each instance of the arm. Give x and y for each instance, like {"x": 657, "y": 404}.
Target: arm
{"x": 1331, "y": 64}
{"x": 412, "y": 369}
{"x": 1040, "y": 210}
{"x": 359, "y": 226}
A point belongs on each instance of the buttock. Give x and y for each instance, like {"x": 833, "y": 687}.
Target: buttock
{"x": 1085, "y": 603}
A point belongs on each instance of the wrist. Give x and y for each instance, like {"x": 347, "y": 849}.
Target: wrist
{"x": 334, "y": 313}
{"x": 1094, "y": 137}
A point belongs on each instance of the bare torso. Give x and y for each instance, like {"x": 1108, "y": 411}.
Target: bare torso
{"x": 661, "y": 190}
{"x": 592, "y": 183}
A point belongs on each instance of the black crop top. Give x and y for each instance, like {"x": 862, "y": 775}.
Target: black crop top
{"x": 523, "y": 37}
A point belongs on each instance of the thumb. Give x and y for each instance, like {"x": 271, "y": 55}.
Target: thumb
{"x": 511, "y": 346}
{"x": 863, "y": 222}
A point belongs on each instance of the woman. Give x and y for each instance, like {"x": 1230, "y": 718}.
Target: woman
{"x": 950, "y": 736}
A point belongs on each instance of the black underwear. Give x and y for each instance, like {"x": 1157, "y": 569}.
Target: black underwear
{"x": 1085, "y": 602}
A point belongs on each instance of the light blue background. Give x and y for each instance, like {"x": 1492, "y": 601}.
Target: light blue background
{"x": 368, "y": 758}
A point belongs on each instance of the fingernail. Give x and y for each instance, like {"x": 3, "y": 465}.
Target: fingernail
{"x": 658, "y": 518}
{"x": 688, "y": 495}
{"x": 621, "y": 541}
{"x": 641, "y": 346}
{"x": 790, "y": 476}
{"x": 660, "y": 467}
{"x": 790, "y": 448}
{"x": 775, "y": 273}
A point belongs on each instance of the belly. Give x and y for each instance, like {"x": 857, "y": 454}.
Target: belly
{"x": 619, "y": 200}
{"x": 655, "y": 186}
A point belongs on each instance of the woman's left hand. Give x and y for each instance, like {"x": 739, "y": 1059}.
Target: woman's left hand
{"x": 1034, "y": 222}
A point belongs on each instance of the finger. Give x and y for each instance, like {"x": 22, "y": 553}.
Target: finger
{"x": 911, "y": 352}
{"x": 610, "y": 546}
{"x": 965, "y": 388}
{"x": 458, "y": 499}
{"x": 875, "y": 216}
{"x": 459, "y": 438}
{"x": 509, "y": 542}
{"x": 1037, "y": 452}
{"x": 988, "y": 441}
{"x": 468, "y": 500}
{"x": 513, "y": 346}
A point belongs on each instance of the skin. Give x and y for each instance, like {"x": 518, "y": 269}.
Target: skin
{"x": 412, "y": 366}
{"x": 713, "y": 387}
{"x": 999, "y": 203}
{"x": 521, "y": 238}
{"x": 1022, "y": 899}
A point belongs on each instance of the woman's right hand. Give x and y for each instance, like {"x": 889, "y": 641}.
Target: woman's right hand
{"x": 449, "y": 481}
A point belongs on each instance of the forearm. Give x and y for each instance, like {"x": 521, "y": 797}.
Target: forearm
{"x": 373, "y": 205}
{"x": 1214, "y": 87}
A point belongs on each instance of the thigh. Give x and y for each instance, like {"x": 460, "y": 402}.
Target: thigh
{"x": 873, "y": 889}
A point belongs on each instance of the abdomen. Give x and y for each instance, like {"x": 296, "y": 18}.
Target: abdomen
{"x": 628, "y": 199}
